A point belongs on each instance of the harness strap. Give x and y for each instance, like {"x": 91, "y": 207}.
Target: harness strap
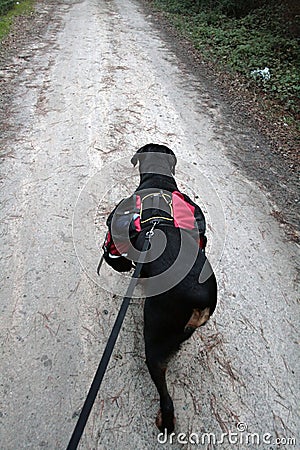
{"x": 157, "y": 218}
{"x": 155, "y": 197}
{"x": 88, "y": 404}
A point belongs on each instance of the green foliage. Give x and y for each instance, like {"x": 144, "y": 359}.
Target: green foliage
{"x": 231, "y": 8}
{"x": 6, "y": 5}
{"x": 10, "y": 9}
{"x": 243, "y": 37}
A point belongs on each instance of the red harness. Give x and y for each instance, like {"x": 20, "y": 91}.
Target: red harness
{"x": 180, "y": 215}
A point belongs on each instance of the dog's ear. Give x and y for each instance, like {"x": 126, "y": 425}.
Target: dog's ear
{"x": 134, "y": 160}
{"x": 173, "y": 164}
{"x": 135, "y": 157}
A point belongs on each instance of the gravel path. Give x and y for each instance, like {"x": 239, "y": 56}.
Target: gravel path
{"x": 98, "y": 82}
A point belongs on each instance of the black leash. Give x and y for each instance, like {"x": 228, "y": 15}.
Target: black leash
{"x": 101, "y": 259}
{"x": 100, "y": 264}
{"x": 88, "y": 404}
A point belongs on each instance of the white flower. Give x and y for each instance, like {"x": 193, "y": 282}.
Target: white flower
{"x": 262, "y": 73}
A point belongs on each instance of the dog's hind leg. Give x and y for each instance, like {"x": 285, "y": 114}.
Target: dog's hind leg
{"x": 157, "y": 366}
{"x": 199, "y": 317}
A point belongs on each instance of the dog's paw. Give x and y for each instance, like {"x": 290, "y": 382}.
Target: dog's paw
{"x": 163, "y": 423}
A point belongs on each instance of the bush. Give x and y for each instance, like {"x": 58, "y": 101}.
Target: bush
{"x": 244, "y": 37}
{"x": 6, "y": 5}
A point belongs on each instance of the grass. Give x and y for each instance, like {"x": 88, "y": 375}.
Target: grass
{"x": 264, "y": 37}
{"x": 20, "y": 8}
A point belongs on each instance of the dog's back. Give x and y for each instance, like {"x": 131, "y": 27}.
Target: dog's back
{"x": 180, "y": 286}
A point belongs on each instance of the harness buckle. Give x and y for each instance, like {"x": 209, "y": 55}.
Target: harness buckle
{"x": 155, "y": 197}
{"x": 150, "y": 233}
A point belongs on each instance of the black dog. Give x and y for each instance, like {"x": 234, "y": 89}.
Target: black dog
{"x": 181, "y": 289}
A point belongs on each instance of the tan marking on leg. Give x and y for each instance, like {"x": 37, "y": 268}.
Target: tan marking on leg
{"x": 158, "y": 420}
{"x": 198, "y": 318}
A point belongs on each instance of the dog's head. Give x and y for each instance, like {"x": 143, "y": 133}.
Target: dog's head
{"x": 155, "y": 158}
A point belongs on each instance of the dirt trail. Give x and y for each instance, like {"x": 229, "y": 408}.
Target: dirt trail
{"x": 101, "y": 83}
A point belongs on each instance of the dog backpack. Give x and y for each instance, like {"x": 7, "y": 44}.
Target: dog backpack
{"x": 133, "y": 214}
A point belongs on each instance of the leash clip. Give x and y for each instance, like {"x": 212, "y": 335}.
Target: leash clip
{"x": 150, "y": 233}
